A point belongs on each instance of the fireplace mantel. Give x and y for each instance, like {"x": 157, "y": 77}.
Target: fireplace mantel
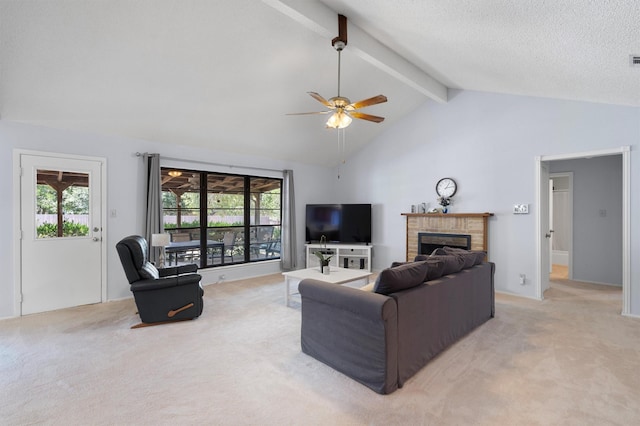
{"x": 474, "y": 224}
{"x": 447, "y": 214}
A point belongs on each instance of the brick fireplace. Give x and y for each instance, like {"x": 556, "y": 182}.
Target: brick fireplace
{"x": 473, "y": 224}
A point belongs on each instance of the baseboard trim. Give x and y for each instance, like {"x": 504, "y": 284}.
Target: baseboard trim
{"x": 508, "y": 293}
{"x": 597, "y": 283}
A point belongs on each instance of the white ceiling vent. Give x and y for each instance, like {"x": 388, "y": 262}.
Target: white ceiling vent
{"x": 634, "y": 60}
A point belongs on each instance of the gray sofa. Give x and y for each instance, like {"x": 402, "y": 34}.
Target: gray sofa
{"x": 382, "y": 340}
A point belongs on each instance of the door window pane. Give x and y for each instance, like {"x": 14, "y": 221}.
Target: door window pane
{"x": 62, "y": 204}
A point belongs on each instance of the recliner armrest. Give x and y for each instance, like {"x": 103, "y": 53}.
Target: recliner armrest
{"x": 178, "y": 270}
{"x": 174, "y": 281}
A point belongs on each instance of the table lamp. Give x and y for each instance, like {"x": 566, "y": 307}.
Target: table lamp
{"x": 160, "y": 240}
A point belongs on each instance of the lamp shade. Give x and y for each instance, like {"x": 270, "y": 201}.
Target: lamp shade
{"x": 160, "y": 240}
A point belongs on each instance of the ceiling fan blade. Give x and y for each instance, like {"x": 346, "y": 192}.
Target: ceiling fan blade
{"x": 367, "y": 102}
{"x": 309, "y": 113}
{"x": 367, "y": 117}
{"x": 322, "y": 100}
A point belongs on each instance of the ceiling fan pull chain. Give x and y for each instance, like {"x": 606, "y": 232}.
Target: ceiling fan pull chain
{"x": 341, "y": 149}
{"x": 342, "y": 144}
{"x": 339, "y": 55}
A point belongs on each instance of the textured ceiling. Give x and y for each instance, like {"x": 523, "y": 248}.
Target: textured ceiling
{"x": 223, "y": 74}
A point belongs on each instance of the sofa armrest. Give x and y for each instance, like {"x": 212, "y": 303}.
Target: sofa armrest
{"x": 353, "y": 331}
{"x": 363, "y": 303}
{"x": 173, "y": 281}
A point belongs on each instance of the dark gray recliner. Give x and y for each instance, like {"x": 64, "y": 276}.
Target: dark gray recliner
{"x": 161, "y": 295}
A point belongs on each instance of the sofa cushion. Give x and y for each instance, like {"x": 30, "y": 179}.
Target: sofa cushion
{"x": 435, "y": 270}
{"x": 468, "y": 259}
{"x": 479, "y": 256}
{"x": 452, "y": 263}
{"x": 472, "y": 257}
{"x": 401, "y": 277}
{"x": 148, "y": 271}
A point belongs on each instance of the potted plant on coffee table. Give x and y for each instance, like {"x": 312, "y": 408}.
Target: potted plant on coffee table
{"x": 324, "y": 255}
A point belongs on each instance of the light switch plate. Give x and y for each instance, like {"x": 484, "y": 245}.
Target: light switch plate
{"x": 521, "y": 209}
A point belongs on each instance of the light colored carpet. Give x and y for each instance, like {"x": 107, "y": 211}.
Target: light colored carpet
{"x": 570, "y": 360}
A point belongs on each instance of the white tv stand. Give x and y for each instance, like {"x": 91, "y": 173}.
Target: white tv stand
{"x": 356, "y": 256}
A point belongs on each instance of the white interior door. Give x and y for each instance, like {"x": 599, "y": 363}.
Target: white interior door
{"x": 550, "y": 226}
{"x": 61, "y": 232}
{"x": 544, "y": 228}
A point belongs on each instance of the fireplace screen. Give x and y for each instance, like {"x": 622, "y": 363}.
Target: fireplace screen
{"x": 428, "y": 241}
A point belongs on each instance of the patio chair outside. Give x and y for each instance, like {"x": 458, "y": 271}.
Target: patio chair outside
{"x": 228, "y": 241}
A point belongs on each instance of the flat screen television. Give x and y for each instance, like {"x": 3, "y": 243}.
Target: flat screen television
{"x": 339, "y": 223}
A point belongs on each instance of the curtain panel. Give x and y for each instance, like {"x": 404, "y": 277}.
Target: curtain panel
{"x": 289, "y": 250}
{"x": 153, "y": 222}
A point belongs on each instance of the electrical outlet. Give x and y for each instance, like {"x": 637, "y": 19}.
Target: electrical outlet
{"x": 222, "y": 277}
{"x": 523, "y": 279}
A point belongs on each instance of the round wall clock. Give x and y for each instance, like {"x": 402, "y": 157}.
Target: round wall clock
{"x": 446, "y": 187}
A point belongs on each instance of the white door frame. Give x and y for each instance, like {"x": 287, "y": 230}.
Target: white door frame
{"x": 17, "y": 258}
{"x": 568, "y": 175}
{"x": 625, "y": 151}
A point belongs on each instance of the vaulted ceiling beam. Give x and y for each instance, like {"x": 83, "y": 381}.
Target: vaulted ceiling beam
{"x": 319, "y": 18}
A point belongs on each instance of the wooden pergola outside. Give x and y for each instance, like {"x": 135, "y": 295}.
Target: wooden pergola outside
{"x": 59, "y": 181}
{"x": 180, "y": 182}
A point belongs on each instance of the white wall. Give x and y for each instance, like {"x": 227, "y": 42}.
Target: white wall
{"x": 125, "y": 194}
{"x": 488, "y": 143}
{"x": 597, "y": 217}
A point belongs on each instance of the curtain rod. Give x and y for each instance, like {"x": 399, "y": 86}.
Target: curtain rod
{"x": 231, "y": 166}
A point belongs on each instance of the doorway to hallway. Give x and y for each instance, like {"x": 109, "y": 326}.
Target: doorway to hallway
{"x": 584, "y": 266}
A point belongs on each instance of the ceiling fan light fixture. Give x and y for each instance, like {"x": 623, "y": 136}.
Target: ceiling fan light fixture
{"x": 174, "y": 173}
{"x": 344, "y": 111}
{"x": 339, "y": 120}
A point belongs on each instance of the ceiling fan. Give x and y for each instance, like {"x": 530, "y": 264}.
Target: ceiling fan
{"x": 342, "y": 108}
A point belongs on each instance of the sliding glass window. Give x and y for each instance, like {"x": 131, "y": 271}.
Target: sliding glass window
{"x": 219, "y": 219}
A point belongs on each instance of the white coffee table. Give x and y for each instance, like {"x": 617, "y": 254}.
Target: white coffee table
{"x": 336, "y": 276}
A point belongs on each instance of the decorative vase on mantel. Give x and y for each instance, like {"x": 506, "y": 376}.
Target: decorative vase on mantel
{"x": 444, "y": 203}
